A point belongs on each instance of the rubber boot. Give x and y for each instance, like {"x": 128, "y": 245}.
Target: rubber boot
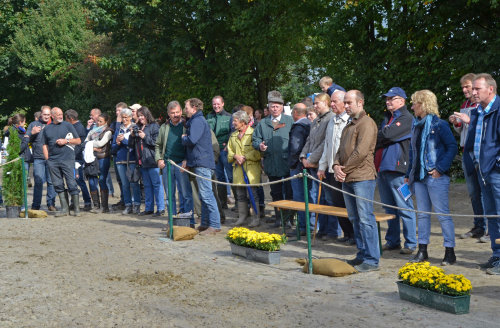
{"x": 421, "y": 255}
{"x": 255, "y": 222}
{"x": 95, "y": 199}
{"x": 137, "y": 209}
{"x": 66, "y": 194}
{"x": 64, "y": 205}
{"x": 222, "y": 193}
{"x": 75, "y": 199}
{"x": 449, "y": 256}
{"x": 104, "y": 201}
{"x": 262, "y": 211}
{"x": 242, "y": 213}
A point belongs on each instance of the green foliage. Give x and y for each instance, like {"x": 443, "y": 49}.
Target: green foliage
{"x": 12, "y": 190}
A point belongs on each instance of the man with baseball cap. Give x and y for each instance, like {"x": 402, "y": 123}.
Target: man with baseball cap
{"x": 392, "y": 153}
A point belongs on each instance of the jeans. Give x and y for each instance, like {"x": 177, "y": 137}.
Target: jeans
{"x": 103, "y": 176}
{"x": 83, "y": 186}
{"x": 119, "y": 182}
{"x": 181, "y": 181}
{"x": 109, "y": 184}
{"x": 430, "y": 193}
{"x": 224, "y": 165}
{"x": 61, "y": 171}
{"x": 363, "y": 220}
{"x": 476, "y": 197}
{"x": 42, "y": 175}
{"x": 129, "y": 189}
{"x": 210, "y": 216}
{"x": 336, "y": 198}
{"x": 491, "y": 205}
{"x": 328, "y": 224}
{"x": 298, "y": 195}
{"x": 153, "y": 190}
{"x": 388, "y": 184}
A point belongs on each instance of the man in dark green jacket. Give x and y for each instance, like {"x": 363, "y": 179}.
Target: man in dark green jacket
{"x": 220, "y": 123}
{"x": 271, "y": 138}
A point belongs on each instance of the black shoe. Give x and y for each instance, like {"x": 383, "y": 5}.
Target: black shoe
{"x": 388, "y": 247}
{"x": 475, "y": 232}
{"x": 87, "y": 208}
{"x": 489, "y": 264}
{"x": 354, "y": 261}
{"x": 449, "y": 257}
{"x": 343, "y": 239}
{"x": 118, "y": 206}
{"x": 351, "y": 242}
{"x": 159, "y": 213}
{"x": 143, "y": 213}
{"x": 421, "y": 255}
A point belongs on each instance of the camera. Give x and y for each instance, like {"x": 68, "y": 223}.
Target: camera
{"x": 135, "y": 129}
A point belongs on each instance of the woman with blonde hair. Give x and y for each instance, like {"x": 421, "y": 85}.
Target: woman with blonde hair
{"x": 432, "y": 150}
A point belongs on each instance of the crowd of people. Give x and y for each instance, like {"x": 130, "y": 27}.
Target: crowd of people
{"x": 329, "y": 134}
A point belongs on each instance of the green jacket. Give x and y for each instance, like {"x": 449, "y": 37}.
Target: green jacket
{"x": 161, "y": 140}
{"x": 276, "y": 154}
{"x": 220, "y": 124}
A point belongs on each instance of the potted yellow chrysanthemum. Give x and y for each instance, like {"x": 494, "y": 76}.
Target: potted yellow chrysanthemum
{"x": 428, "y": 285}
{"x": 258, "y": 246}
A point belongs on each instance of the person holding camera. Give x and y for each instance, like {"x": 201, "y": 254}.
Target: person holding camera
{"x": 144, "y": 141}
{"x": 125, "y": 159}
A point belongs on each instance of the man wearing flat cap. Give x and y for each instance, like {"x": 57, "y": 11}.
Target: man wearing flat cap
{"x": 271, "y": 139}
{"x": 391, "y": 162}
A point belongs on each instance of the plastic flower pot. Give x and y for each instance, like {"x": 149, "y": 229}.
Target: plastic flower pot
{"x": 256, "y": 254}
{"x": 13, "y": 211}
{"x": 184, "y": 222}
{"x": 447, "y": 303}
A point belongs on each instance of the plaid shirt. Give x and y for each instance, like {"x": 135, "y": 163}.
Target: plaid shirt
{"x": 479, "y": 128}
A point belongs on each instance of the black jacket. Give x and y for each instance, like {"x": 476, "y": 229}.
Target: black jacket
{"x": 145, "y": 148}
{"x": 298, "y": 137}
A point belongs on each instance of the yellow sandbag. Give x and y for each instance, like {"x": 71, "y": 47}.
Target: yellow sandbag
{"x": 184, "y": 233}
{"x": 328, "y": 267}
{"x": 34, "y": 214}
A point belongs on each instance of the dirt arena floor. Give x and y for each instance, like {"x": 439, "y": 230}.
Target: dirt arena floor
{"x": 110, "y": 270}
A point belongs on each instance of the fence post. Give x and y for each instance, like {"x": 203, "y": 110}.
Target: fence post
{"x": 169, "y": 185}
{"x": 25, "y": 189}
{"x": 308, "y": 224}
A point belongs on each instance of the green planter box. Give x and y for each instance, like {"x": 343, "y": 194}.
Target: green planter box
{"x": 256, "y": 254}
{"x": 452, "y": 304}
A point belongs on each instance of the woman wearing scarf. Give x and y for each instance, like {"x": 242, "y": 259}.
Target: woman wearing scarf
{"x": 100, "y": 136}
{"x": 144, "y": 145}
{"x": 432, "y": 150}
{"x": 241, "y": 153}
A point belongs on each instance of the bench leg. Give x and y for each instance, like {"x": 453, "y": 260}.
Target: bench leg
{"x": 297, "y": 229}
{"x": 379, "y": 238}
{"x": 282, "y": 220}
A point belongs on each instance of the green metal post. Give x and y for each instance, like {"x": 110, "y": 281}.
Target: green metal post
{"x": 169, "y": 184}
{"x": 308, "y": 225}
{"x": 25, "y": 189}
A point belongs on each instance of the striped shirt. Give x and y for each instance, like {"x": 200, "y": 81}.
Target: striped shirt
{"x": 479, "y": 128}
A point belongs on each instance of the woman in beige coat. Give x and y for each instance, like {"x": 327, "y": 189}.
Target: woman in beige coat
{"x": 241, "y": 154}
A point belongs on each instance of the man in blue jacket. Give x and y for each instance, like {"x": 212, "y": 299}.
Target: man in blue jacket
{"x": 200, "y": 158}
{"x": 391, "y": 162}
{"x": 482, "y": 153}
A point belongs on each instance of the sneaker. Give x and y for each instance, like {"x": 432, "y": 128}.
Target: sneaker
{"x": 475, "y": 232}
{"x": 355, "y": 261}
{"x": 387, "y": 247}
{"x": 495, "y": 270}
{"x": 363, "y": 267}
{"x": 186, "y": 215}
{"x": 52, "y": 208}
{"x": 485, "y": 239}
{"x": 118, "y": 206}
{"x": 351, "y": 242}
{"x": 143, "y": 213}
{"x": 209, "y": 231}
{"x": 159, "y": 213}
{"x": 491, "y": 263}
{"x": 406, "y": 250}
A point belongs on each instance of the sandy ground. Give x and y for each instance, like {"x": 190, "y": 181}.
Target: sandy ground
{"x": 110, "y": 270}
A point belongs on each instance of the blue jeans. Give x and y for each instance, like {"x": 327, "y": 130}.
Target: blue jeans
{"x": 109, "y": 184}
{"x": 328, "y": 224}
{"x": 83, "y": 186}
{"x": 42, "y": 175}
{"x": 119, "y": 182}
{"x": 223, "y": 165}
{"x": 129, "y": 189}
{"x": 153, "y": 191}
{"x": 388, "y": 184}
{"x": 491, "y": 205}
{"x": 210, "y": 216}
{"x": 363, "y": 220}
{"x": 103, "y": 176}
{"x": 298, "y": 195}
{"x": 181, "y": 181}
{"x": 476, "y": 197}
{"x": 430, "y": 193}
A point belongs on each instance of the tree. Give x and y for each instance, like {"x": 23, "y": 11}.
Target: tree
{"x": 12, "y": 172}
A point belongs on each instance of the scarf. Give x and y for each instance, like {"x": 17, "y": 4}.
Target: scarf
{"x": 425, "y": 123}
{"x": 96, "y": 131}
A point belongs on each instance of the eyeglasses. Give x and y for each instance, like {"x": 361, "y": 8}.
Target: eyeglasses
{"x": 392, "y": 99}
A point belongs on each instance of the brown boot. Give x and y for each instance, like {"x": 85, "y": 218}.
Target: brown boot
{"x": 104, "y": 201}
{"x": 95, "y": 199}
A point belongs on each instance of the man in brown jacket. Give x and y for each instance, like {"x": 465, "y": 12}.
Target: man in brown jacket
{"x": 354, "y": 167}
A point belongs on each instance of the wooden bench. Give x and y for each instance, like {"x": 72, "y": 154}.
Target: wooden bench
{"x": 497, "y": 241}
{"x": 327, "y": 210}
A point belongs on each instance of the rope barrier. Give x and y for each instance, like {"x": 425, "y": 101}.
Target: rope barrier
{"x": 396, "y": 207}
{"x": 14, "y": 160}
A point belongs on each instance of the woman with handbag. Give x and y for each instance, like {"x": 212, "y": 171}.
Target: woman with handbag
{"x": 100, "y": 136}
{"x": 144, "y": 145}
{"x": 125, "y": 163}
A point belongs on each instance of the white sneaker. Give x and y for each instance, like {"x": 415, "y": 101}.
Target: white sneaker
{"x": 186, "y": 215}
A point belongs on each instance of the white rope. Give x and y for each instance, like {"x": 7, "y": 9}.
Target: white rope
{"x": 396, "y": 207}
{"x": 14, "y": 160}
{"x": 299, "y": 175}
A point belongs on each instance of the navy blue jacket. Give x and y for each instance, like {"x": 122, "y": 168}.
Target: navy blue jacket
{"x": 298, "y": 137}
{"x": 198, "y": 142}
{"x": 120, "y": 151}
{"x": 439, "y": 152}
{"x": 489, "y": 155}
{"x": 395, "y": 141}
